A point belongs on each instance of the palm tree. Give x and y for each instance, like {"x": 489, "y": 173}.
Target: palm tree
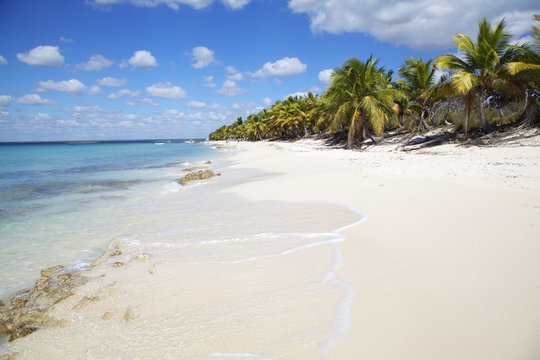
{"x": 417, "y": 78}
{"x": 530, "y": 60}
{"x": 361, "y": 95}
{"x": 481, "y": 67}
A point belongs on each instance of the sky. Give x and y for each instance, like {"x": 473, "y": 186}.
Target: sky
{"x": 156, "y": 69}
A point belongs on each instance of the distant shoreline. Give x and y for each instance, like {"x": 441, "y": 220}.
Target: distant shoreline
{"x": 76, "y": 142}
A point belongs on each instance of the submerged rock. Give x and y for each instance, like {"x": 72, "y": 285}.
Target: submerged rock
{"x": 28, "y": 309}
{"x": 197, "y": 175}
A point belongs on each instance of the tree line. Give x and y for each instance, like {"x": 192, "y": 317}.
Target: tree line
{"x": 488, "y": 83}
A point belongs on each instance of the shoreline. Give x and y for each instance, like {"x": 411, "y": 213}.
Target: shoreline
{"x": 119, "y": 279}
{"x": 436, "y": 268}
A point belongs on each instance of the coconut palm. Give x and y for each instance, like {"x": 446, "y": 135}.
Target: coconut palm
{"x": 530, "y": 60}
{"x": 361, "y": 96}
{"x": 480, "y": 66}
{"x": 417, "y": 78}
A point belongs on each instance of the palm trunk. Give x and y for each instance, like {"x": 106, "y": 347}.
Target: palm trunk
{"x": 353, "y": 131}
{"x": 350, "y": 134}
{"x": 482, "y": 111}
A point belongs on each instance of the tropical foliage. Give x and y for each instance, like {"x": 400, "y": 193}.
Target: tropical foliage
{"x": 489, "y": 81}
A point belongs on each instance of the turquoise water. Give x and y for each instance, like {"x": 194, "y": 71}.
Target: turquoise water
{"x": 62, "y": 203}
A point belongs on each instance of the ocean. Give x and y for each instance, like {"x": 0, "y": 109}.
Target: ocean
{"x": 198, "y": 271}
{"x": 63, "y": 203}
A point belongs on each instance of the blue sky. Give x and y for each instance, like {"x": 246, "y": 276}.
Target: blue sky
{"x": 139, "y": 69}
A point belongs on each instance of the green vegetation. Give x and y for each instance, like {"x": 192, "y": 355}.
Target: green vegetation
{"x": 489, "y": 83}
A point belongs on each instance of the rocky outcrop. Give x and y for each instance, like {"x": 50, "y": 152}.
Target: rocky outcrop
{"x": 197, "y": 175}
{"x": 27, "y": 310}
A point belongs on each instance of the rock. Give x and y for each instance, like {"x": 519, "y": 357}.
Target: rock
{"x": 108, "y": 315}
{"x": 107, "y": 254}
{"x": 141, "y": 256}
{"x": 197, "y": 175}
{"x": 85, "y": 301}
{"x": 130, "y": 315}
{"x": 28, "y": 309}
{"x": 118, "y": 264}
{"x": 208, "y": 162}
{"x": 12, "y": 356}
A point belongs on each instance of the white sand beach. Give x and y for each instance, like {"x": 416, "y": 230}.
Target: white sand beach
{"x": 445, "y": 264}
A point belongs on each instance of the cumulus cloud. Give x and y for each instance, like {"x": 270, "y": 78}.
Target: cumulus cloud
{"x": 71, "y": 87}
{"x": 149, "y": 102}
{"x": 33, "y": 99}
{"x": 419, "y": 24}
{"x": 142, "y": 59}
{"x": 267, "y": 101}
{"x": 122, "y": 93}
{"x": 283, "y": 67}
{"x": 325, "y": 76}
{"x": 5, "y": 100}
{"x": 166, "y": 91}
{"x": 230, "y": 88}
{"x": 78, "y": 109}
{"x": 95, "y": 90}
{"x": 202, "y": 57}
{"x": 96, "y": 63}
{"x": 42, "y": 116}
{"x": 209, "y": 81}
{"x": 299, "y": 94}
{"x": 3, "y": 60}
{"x": 196, "y": 104}
{"x": 233, "y": 74}
{"x": 42, "y": 56}
{"x": 110, "y": 81}
{"x": 173, "y": 4}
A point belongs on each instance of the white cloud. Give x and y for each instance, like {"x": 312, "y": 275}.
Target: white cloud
{"x": 196, "y": 104}
{"x": 33, "y": 99}
{"x": 3, "y": 60}
{"x": 166, "y": 91}
{"x": 71, "y": 87}
{"x": 173, "y": 4}
{"x": 283, "y": 67}
{"x": 65, "y": 39}
{"x": 202, "y": 57}
{"x": 122, "y": 93}
{"x": 130, "y": 103}
{"x": 235, "y": 4}
{"x": 325, "y": 76}
{"x": 230, "y": 88}
{"x": 267, "y": 101}
{"x": 95, "y": 90}
{"x": 68, "y": 122}
{"x": 110, "y": 81}
{"x": 233, "y": 74}
{"x": 209, "y": 81}
{"x": 419, "y": 24}
{"x": 84, "y": 109}
{"x": 5, "y": 100}
{"x": 150, "y": 102}
{"x": 299, "y": 94}
{"x": 142, "y": 59}
{"x": 96, "y": 63}
{"x": 42, "y": 116}
{"x": 42, "y": 56}
{"x": 123, "y": 64}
